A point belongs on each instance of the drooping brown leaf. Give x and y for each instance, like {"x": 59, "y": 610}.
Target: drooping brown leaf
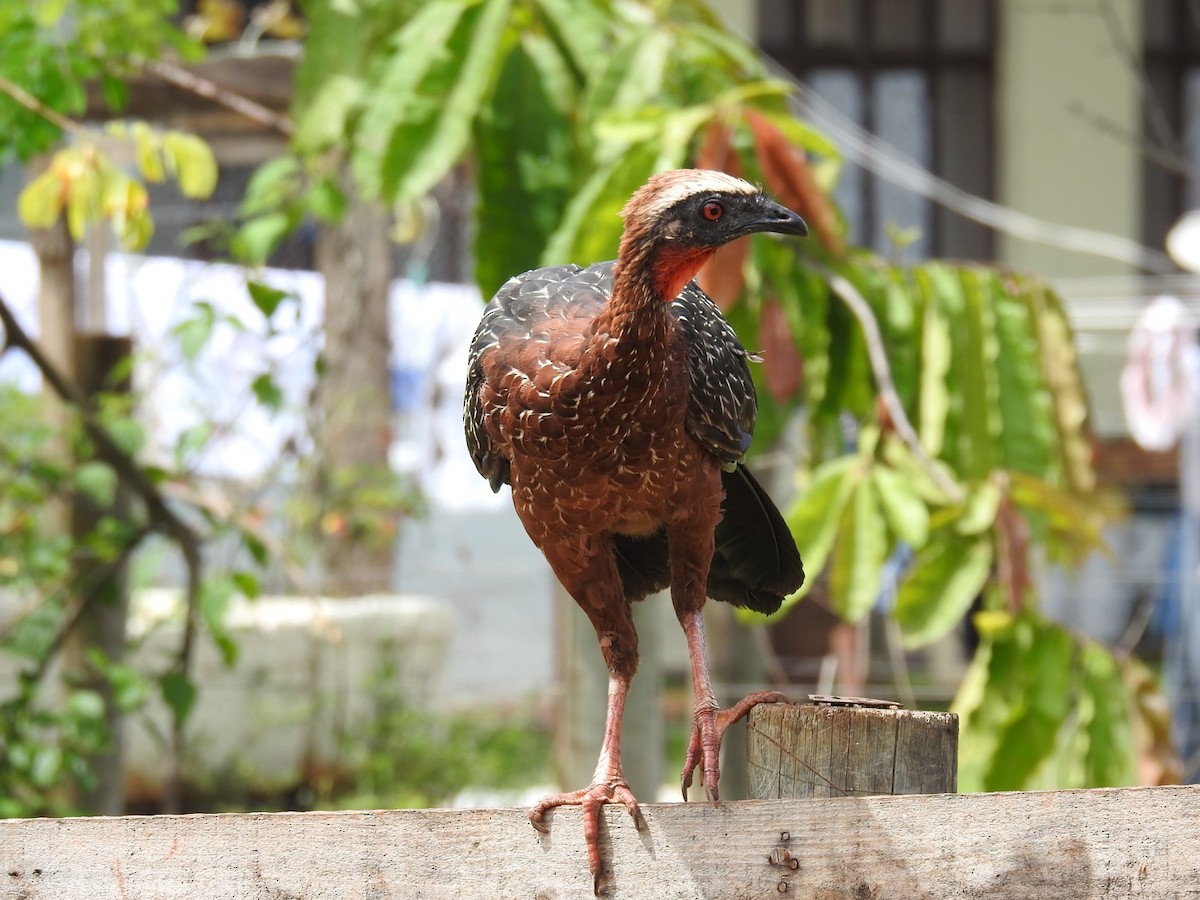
{"x": 716, "y": 150}
{"x": 723, "y": 276}
{"x": 782, "y": 367}
{"x": 1012, "y": 554}
{"x": 789, "y": 177}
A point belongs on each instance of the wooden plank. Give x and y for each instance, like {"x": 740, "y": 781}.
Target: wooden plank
{"x": 802, "y": 751}
{"x": 1077, "y": 844}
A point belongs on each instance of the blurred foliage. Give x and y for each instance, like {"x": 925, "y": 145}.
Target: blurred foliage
{"x": 563, "y": 110}
{"x": 410, "y": 757}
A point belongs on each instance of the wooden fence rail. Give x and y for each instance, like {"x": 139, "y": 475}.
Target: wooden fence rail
{"x": 1142, "y": 842}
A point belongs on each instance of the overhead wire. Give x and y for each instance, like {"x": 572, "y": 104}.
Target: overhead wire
{"x": 876, "y": 155}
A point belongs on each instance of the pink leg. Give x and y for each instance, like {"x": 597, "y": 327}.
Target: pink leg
{"x": 608, "y": 786}
{"x": 709, "y": 721}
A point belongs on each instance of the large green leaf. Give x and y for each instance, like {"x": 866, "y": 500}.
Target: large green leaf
{"x": 1027, "y": 437}
{"x": 1056, "y": 349}
{"x": 1111, "y": 749}
{"x": 591, "y": 225}
{"x": 632, "y": 78}
{"x": 524, "y": 178}
{"x": 934, "y": 390}
{"x": 945, "y": 578}
{"x": 1036, "y": 664}
{"x": 974, "y": 368}
{"x": 906, "y": 513}
{"x": 418, "y": 119}
{"x": 582, "y": 28}
{"x": 814, "y": 518}
{"x": 856, "y": 571}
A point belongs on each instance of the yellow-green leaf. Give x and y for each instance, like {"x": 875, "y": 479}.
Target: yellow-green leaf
{"x": 40, "y": 203}
{"x": 148, "y": 147}
{"x": 193, "y": 162}
{"x": 905, "y": 511}
{"x": 83, "y": 201}
{"x": 814, "y": 518}
{"x": 856, "y": 573}
{"x": 946, "y": 576}
{"x": 979, "y": 512}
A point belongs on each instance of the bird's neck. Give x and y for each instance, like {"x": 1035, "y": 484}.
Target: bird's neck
{"x": 649, "y": 274}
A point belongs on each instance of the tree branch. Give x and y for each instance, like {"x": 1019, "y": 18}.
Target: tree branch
{"x": 210, "y": 90}
{"x": 887, "y": 388}
{"x": 162, "y": 518}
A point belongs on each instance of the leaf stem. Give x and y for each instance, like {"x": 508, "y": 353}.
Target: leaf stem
{"x": 887, "y": 389}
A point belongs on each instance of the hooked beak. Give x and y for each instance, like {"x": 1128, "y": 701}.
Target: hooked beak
{"x": 771, "y": 216}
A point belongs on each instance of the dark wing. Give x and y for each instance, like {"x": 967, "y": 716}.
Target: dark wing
{"x": 722, "y": 404}
{"x": 755, "y": 563}
{"x": 515, "y": 317}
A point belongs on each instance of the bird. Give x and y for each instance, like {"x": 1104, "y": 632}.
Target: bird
{"x": 618, "y": 403}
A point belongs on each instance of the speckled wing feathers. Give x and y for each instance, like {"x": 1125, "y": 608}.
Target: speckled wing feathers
{"x": 721, "y": 402}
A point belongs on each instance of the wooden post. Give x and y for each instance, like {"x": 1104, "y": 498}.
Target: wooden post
{"x": 842, "y": 747}
{"x": 106, "y": 600}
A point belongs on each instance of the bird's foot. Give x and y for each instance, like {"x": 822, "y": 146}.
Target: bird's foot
{"x": 591, "y": 799}
{"x": 709, "y": 724}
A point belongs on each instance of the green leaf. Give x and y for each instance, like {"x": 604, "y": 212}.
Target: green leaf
{"x": 1034, "y": 666}
{"x": 147, "y": 148}
{"x": 905, "y": 511}
{"x": 945, "y": 578}
{"x": 256, "y": 548}
{"x": 40, "y": 203}
{"x": 193, "y": 162}
{"x": 633, "y": 76}
{"x": 591, "y": 226}
{"x": 813, "y": 519}
{"x": 1060, "y": 369}
{"x": 246, "y": 582}
{"x": 418, "y": 120}
{"x": 855, "y": 576}
{"x": 979, "y": 512}
{"x": 193, "y": 333}
{"x": 524, "y": 178}
{"x": 325, "y": 120}
{"x": 97, "y": 481}
{"x": 215, "y": 598}
{"x": 325, "y": 200}
{"x": 934, "y": 391}
{"x": 1111, "y": 747}
{"x": 257, "y": 239}
{"x": 267, "y": 391}
{"x": 179, "y": 693}
{"x": 581, "y": 28}
{"x": 265, "y": 297}
{"x": 1028, "y": 435}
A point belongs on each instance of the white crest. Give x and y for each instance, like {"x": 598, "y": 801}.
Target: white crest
{"x": 666, "y": 189}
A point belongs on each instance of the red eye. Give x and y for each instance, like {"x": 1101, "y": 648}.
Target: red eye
{"x": 712, "y": 210}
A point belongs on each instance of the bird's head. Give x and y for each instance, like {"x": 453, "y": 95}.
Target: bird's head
{"x": 678, "y": 219}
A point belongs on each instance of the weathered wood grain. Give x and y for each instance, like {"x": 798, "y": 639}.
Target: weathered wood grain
{"x": 1141, "y": 842}
{"x": 801, "y": 751}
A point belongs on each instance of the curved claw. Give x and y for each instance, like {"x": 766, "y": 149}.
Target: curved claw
{"x": 591, "y": 799}
{"x": 709, "y": 725}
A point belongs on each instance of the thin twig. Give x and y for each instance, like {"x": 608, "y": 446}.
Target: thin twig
{"x": 162, "y": 517}
{"x": 210, "y": 90}
{"x": 88, "y": 596}
{"x": 887, "y": 388}
{"x": 33, "y": 104}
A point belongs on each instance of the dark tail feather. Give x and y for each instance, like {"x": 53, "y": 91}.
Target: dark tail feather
{"x": 756, "y": 563}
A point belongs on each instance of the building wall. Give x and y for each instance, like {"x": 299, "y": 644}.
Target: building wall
{"x": 1069, "y": 113}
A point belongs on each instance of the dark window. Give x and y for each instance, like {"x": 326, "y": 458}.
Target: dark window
{"x": 918, "y": 75}
{"x": 1170, "y": 115}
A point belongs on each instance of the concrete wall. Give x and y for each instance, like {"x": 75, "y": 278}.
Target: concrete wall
{"x": 1060, "y": 73}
